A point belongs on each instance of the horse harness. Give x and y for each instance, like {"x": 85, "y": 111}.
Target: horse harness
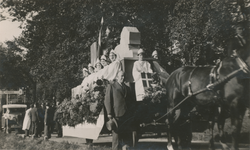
{"x": 213, "y": 77}
{"x": 215, "y": 81}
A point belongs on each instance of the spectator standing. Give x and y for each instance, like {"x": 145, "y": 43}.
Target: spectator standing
{"x": 57, "y": 117}
{"x": 34, "y": 121}
{"x": 48, "y": 121}
{"x": 41, "y": 113}
{"x": 27, "y": 120}
{"x": 53, "y": 109}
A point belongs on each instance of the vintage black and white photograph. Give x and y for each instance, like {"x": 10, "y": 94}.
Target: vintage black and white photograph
{"x": 125, "y": 74}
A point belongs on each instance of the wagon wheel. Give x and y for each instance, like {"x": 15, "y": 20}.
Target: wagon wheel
{"x": 135, "y": 138}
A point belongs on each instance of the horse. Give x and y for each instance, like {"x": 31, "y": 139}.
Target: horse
{"x": 225, "y": 86}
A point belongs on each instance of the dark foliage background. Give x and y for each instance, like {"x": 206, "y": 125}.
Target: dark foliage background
{"x": 57, "y": 36}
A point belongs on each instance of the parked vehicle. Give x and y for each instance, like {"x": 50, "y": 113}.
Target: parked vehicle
{"x": 12, "y": 117}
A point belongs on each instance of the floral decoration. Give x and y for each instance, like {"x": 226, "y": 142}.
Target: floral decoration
{"x": 86, "y": 108}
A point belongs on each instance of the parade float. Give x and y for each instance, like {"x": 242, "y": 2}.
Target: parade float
{"x": 84, "y": 115}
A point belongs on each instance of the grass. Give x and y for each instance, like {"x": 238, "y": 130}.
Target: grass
{"x": 14, "y": 142}
{"x": 244, "y": 136}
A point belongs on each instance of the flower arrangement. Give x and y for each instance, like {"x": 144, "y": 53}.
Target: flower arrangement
{"x": 155, "y": 94}
{"x": 86, "y": 108}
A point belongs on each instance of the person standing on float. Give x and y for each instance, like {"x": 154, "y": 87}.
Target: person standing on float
{"x": 114, "y": 67}
{"x": 140, "y": 66}
{"x": 91, "y": 69}
{"x": 98, "y": 65}
{"x": 155, "y": 54}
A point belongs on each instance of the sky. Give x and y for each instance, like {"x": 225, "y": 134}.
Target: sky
{"x": 9, "y": 30}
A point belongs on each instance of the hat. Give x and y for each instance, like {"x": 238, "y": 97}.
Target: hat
{"x": 47, "y": 104}
{"x": 85, "y": 69}
{"x": 154, "y": 53}
{"x": 112, "y": 124}
{"x": 112, "y": 51}
{"x": 140, "y": 51}
{"x": 97, "y": 62}
{"x": 90, "y": 65}
{"x": 103, "y": 57}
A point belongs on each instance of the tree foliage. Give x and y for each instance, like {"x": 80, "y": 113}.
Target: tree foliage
{"x": 58, "y": 33}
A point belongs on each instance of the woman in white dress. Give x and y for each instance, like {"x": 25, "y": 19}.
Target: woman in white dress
{"x": 98, "y": 65}
{"x": 114, "y": 67}
{"x": 140, "y": 66}
{"x": 91, "y": 69}
{"x": 27, "y": 121}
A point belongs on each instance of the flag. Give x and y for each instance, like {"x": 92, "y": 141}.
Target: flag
{"x": 146, "y": 79}
{"x": 100, "y": 37}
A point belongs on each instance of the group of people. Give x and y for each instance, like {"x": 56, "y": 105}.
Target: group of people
{"x": 119, "y": 101}
{"x": 106, "y": 67}
{"x": 40, "y": 119}
{"x": 118, "y": 96}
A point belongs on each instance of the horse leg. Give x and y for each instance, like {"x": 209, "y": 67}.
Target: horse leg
{"x": 211, "y": 128}
{"x": 177, "y": 142}
{"x": 220, "y": 125}
{"x": 169, "y": 146}
{"x": 186, "y": 136}
{"x": 236, "y": 123}
{"x": 216, "y": 112}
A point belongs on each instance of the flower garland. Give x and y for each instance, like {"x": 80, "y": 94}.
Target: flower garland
{"x": 86, "y": 108}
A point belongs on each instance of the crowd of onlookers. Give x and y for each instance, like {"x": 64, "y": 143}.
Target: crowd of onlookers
{"x": 41, "y": 119}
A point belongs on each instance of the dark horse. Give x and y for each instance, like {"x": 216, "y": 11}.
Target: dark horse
{"x": 189, "y": 87}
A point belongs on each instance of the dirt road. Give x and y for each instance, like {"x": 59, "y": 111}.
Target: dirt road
{"x": 143, "y": 144}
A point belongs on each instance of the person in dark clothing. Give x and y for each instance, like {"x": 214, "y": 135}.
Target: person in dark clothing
{"x": 53, "y": 109}
{"x": 41, "y": 113}
{"x": 48, "y": 121}
{"x": 117, "y": 102}
{"x": 239, "y": 41}
{"x": 34, "y": 120}
{"x": 57, "y": 117}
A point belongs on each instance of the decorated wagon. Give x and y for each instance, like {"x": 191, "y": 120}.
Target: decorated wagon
{"x": 193, "y": 92}
{"x": 84, "y": 116}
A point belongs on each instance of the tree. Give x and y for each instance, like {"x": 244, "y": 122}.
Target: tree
{"x": 58, "y": 33}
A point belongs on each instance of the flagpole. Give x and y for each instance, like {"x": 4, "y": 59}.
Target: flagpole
{"x": 100, "y": 38}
